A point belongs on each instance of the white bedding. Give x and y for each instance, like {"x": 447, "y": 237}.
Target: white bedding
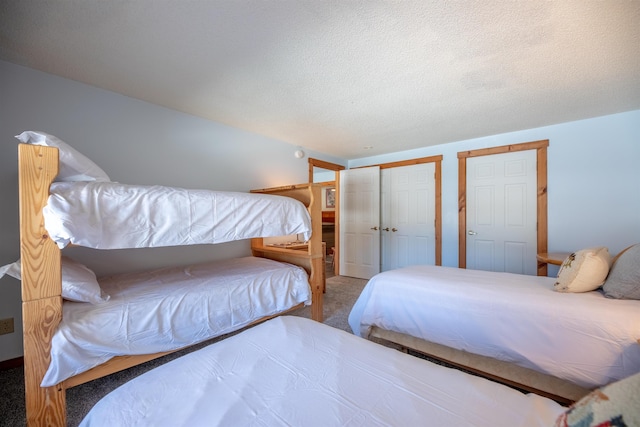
{"x": 292, "y": 371}
{"x": 171, "y": 308}
{"x": 108, "y": 215}
{"x": 585, "y": 338}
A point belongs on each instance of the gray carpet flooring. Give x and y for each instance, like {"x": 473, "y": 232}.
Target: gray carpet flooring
{"x": 340, "y": 296}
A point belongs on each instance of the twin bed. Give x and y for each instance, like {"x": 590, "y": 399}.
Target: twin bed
{"x": 511, "y": 327}
{"x": 291, "y": 371}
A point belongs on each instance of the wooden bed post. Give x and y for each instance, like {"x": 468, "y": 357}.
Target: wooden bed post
{"x": 41, "y": 284}
{"x": 317, "y": 278}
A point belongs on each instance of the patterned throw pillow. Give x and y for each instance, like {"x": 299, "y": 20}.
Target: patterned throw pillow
{"x": 583, "y": 271}
{"x": 617, "y": 404}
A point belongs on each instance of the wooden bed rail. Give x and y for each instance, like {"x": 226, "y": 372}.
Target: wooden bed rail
{"x": 41, "y": 284}
{"x": 508, "y": 373}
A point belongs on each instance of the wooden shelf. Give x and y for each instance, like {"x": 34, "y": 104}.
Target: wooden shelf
{"x": 555, "y": 258}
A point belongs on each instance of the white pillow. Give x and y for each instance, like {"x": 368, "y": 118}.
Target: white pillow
{"x": 79, "y": 283}
{"x": 74, "y": 166}
{"x": 584, "y": 271}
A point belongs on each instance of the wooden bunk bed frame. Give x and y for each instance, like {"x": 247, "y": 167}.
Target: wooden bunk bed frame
{"x": 310, "y": 258}
{"x": 42, "y": 282}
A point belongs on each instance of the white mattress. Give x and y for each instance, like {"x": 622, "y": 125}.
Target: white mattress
{"x": 292, "y": 371}
{"x": 171, "y": 308}
{"x": 585, "y": 338}
{"x": 108, "y": 215}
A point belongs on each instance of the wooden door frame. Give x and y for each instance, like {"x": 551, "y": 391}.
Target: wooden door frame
{"x": 541, "y": 199}
{"x": 324, "y": 165}
{"x": 336, "y": 231}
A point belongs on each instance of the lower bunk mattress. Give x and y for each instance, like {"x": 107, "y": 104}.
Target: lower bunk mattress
{"x": 171, "y": 308}
{"x": 583, "y": 338}
{"x": 292, "y": 371}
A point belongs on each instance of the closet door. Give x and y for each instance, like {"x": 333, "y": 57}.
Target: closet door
{"x": 360, "y": 222}
{"x": 408, "y": 231}
{"x": 501, "y": 212}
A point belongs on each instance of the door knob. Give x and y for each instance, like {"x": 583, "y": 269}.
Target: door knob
{"x": 386, "y": 229}
{"x": 394, "y": 229}
{"x": 374, "y": 228}
{"x": 471, "y": 233}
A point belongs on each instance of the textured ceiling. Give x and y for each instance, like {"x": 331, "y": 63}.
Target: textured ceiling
{"x": 338, "y": 76}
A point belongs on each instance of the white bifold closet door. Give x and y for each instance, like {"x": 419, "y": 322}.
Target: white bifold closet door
{"x": 387, "y": 218}
{"x": 360, "y": 222}
{"x": 408, "y": 216}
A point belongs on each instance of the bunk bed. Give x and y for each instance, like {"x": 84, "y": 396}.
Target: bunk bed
{"x": 510, "y": 327}
{"x": 41, "y": 271}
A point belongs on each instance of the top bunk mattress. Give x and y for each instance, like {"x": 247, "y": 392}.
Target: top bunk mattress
{"x": 584, "y": 338}
{"x": 292, "y": 371}
{"x": 109, "y": 215}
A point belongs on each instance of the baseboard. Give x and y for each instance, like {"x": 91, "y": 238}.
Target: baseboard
{"x": 12, "y": 363}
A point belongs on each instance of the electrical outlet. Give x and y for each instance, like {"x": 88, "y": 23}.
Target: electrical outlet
{"x": 6, "y": 326}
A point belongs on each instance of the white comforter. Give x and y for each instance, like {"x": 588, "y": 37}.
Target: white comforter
{"x": 109, "y": 215}
{"x": 171, "y": 308}
{"x": 292, "y": 371}
{"x": 584, "y": 338}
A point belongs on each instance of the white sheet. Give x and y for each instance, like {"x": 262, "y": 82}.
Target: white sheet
{"x": 109, "y": 215}
{"x": 292, "y": 371}
{"x": 584, "y": 338}
{"x": 171, "y": 308}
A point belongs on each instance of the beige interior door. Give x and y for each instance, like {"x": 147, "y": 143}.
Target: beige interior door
{"x": 359, "y": 253}
{"x": 501, "y": 212}
{"x": 408, "y": 216}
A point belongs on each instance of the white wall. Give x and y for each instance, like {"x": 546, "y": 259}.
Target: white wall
{"x": 593, "y": 181}
{"x": 136, "y": 143}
